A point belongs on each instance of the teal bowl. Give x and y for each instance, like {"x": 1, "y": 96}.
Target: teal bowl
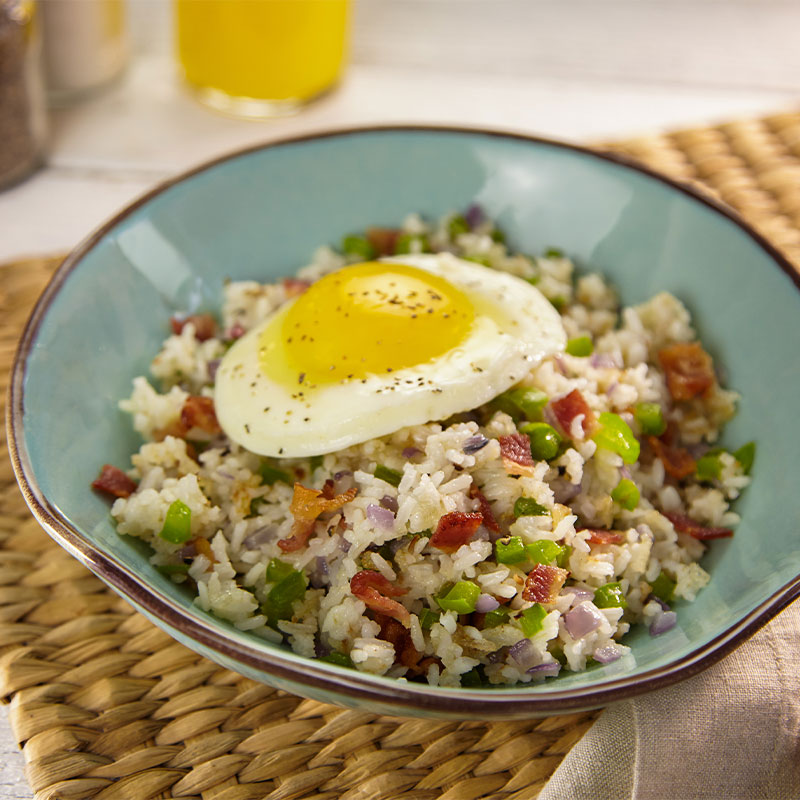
{"x": 259, "y": 214}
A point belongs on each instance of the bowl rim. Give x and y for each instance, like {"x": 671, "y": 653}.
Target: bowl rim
{"x": 511, "y": 702}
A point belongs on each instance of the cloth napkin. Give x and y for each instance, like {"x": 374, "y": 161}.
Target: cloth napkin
{"x": 732, "y": 732}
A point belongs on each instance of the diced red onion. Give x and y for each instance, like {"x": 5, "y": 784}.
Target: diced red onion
{"x": 611, "y": 388}
{"x": 697, "y": 451}
{"x": 226, "y": 475}
{"x": 380, "y": 517}
{"x": 342, "y": 473}
{"x": 497, "y": 656}
{"x": 320, "y": 649}
{"x": 486, "y": 603}
{"x": 664, "y": 606}
{"x": 625, "y": 472}
{"x": 582, "y": 619}
{"x": 342, "y": 481}
{"x": 663, "y": 622}
{"x": 548, "y": 670}
{"x": 236, "y": 331}
{"x": 212, "y": 367}
{"x": 603, "y": 360}
{"x": 189, "y": 550}
{"x": 523, "y": 652}
{"x": 475, "y": 443}
{"x": 345, "y": 545}
{"x": 474, "y": 215}
{"x": 567, "y": 491}
{"x": 387, "y": 501}
{"x": 579, "y": 594}
{"x": 259, "y": 536}
{"x": 559, "y": 362}
{"x": 410, "y": 452}
{"x": 319, "y": 577}
{"x": 607, "y": 654}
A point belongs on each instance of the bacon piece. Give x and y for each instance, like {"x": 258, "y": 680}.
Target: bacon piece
{"x": 376, "y": 590}
{"x": 677, "y": 461}
{"x": 295, "y": 286}
{"x": 205, "y": 326}
{"x": 485, "y": 509}
{"x": 600, "y": 536}
{"x": 685, "y": 524}
{"x": 383, "y": 240}
{"x": 515, "y": 450}
{"x": 455, "y": 529}
{"x": 400, "y": 638}
{"x": 113, "y": 481}
{"x": 236, "y": 331}
{"x": 198, "y": 412}
{"x": 689, "y": 370}
{"x": 568, "y": 407}
{"x": 307, "y": 504}
{"x": 203, "y": 546}
{"x": 544, "y": 583}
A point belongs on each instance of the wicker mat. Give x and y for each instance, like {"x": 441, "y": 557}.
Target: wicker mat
{"x": 105, "y": 705}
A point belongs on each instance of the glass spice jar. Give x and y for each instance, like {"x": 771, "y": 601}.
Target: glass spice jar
{"x": 22, "y": 100}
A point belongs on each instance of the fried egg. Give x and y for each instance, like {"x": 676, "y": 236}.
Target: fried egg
{"x": 378, "y": 346}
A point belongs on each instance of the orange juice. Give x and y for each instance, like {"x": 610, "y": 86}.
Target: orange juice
{"x": 242, "y": 55}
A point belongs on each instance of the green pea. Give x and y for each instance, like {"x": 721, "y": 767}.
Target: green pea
{"x": 354, "y": 245}
{"x": 650, "y": 418}
{"x": 615, "y": 435}
{"x": 528, "y": 507}
{"x": 580, "y": 346}
{"x": 531, "y": 619}
{"x": 610, "y": 596}
{"x": 461, "y": 598}
{"x": 391, "y": 476}
{"x": 626, "y": 493}
{"x": 522, "y": 402}
{"x": 510, "y": 550}
{"x": 545, "y": 440}
{"x": 177, "y": 523}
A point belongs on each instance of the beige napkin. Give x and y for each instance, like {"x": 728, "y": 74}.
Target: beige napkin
{"x": 729, "y": 733}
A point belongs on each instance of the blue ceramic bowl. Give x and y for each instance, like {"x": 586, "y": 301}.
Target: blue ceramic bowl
{"x": 260, "y": 213}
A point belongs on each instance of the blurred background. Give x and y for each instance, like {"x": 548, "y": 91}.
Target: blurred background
{"x": 584, "y": 70}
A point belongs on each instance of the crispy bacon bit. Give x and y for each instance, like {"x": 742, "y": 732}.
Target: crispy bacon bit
{"x": 599, "y": 536}
{"x": 383, "y": 240}
{"x": 376, "y": 590}
{"x": 485, "y": 508}
{"x": 295, "y": 286}
{"x": 688, "y": 368}
{"x": 544, "y": 583}
{"x": 203, "y": 546}
{"x": 677, "y": 461}
{"x": 307, "y": 504}
{"x": 198, "y": 412}
{"x": 455, "y": 529}
{"x": 400, "y": 638}
{"x": 570, "y": 406}
{"x": 515, "y": 451}
{"x": 685, "y": 524}
{"x": 205, "y": 326}
{"x": 112, "y": 480}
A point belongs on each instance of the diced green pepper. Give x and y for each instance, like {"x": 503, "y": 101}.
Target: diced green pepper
{"x": 358, "y": 246}
{"x": 544, "y": 551}
{"x": 473, "y": 678}
{"x": 745, "y": 455}
{"x": 558, "y": 303}
{"x": 650, "y": 418}
{"x": 615, "y": 435}
{"x": 610, "y": 596}
{"x": 282, "y": 595}
{"x": 177, "y": 524}
{"x": 581, "y": 346}
{"x": 314, "y": 463}
{"x": 457, "y": 226}
{"x": 708, "y": 468}
{"x": 510, "y": 550}
{"x": 391, "y": 476}
{"x": 626, "y": 493}
{"x": 270, "y": 474}
{"x": 562, "y": 560}
{"x": 427, "y": 617}
{"x": 522, "y": 402}
{"x": 412, "y": 243}
{"x": 494, "y": 618}
{"x": 663, "y": 587}
{"x": 553, "y": 252}
{"x": 498, "y": 236}
{"x": 530, "y": 620}
{"x": 277, "y": 570}
{"x": 528, "y": 507}
{"x": 545, "y": 440}
{"x": 172, "y": 569}
{"x": 478, "y": 259}
{"x": 461, "y": 598}
{"x": 340, "y": 659}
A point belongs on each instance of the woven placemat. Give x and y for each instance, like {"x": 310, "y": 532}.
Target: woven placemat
{"x": 105, "y": 705}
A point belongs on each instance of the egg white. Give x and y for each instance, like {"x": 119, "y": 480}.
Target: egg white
{"x": 515, "y": 327}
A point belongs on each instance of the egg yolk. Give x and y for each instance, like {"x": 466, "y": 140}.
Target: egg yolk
{"x": 371, "y": 318}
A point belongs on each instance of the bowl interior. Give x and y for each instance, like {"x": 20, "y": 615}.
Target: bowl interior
{"x": 261, "y": 214}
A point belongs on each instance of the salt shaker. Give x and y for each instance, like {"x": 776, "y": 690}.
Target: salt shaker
{"x": 22, "y": 103}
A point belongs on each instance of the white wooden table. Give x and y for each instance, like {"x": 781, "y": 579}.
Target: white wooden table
{"x": 575, "y": 69}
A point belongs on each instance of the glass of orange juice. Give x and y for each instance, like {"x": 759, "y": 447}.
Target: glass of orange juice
{"x": 261, "y": 58}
